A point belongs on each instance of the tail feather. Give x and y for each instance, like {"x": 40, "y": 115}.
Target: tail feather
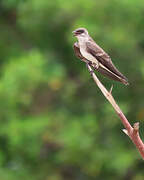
{"x": 111, "y": 75}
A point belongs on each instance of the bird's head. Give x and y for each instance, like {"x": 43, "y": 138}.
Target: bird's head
{"x": 80, "y": 32}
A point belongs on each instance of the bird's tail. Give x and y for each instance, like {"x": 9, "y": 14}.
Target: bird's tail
{"x": 112, "y": 75}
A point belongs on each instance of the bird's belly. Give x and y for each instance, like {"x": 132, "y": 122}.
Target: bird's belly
{"x": 88, "y": 56}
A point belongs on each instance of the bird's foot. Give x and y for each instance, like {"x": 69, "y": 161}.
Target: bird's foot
{"x": 95, "y": 65}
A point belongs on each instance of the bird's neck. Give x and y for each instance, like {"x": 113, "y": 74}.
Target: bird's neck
{"x": 82, "y": 40}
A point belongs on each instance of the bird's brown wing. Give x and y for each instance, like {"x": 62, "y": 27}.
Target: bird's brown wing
{"x": 102, "y": 70}
{"x": 102, "y": 57}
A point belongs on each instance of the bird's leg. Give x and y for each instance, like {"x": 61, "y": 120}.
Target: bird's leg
{"x": 95, "y": 65}
{"x": 90, "y": 63}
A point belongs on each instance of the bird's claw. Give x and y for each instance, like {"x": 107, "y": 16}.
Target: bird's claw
{"x": 95, "y": 65}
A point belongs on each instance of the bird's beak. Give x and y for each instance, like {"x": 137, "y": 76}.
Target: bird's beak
{"x": 74, "y": 33}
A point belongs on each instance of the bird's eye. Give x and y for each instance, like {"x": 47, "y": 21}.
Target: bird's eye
{"x": 80, "y": 31}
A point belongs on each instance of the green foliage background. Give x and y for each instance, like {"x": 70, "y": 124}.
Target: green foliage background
{"x": 54, "y": 122}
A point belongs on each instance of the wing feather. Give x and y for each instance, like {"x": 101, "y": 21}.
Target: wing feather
{"x": 102, "y": 57}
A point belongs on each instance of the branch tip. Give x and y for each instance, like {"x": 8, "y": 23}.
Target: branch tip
{"x": 136, "y": 126}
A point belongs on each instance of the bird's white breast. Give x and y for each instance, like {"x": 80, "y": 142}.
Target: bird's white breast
{"x": 88, "y": 56}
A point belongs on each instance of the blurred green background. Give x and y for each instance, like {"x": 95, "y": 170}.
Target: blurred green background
{"x": 54, "y": 122}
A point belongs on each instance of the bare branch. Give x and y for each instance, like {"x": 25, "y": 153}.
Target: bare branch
{"x": 132, "y": 132}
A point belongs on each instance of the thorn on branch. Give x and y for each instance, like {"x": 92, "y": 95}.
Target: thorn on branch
{"x": 110, "y": 91}
{"x": 125, "y": 131}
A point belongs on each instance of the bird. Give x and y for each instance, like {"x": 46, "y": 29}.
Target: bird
{"x": 88, "y": 51}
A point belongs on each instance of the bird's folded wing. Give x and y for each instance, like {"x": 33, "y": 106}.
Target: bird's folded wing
{"x": 102, "y": 57}
{"x": 101, "y": 69}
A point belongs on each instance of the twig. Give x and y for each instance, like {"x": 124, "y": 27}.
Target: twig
{"x": 132, "y": 132}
